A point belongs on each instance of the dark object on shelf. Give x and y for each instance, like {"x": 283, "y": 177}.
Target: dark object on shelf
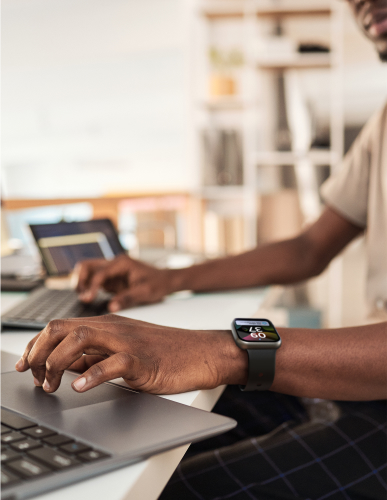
{"x": 283, "y": 136}
{"x": 229, "y": 171}
{"x": 321, "y": 142}
{"x": 304, "y": 48}
{"x": 222, "y": 158}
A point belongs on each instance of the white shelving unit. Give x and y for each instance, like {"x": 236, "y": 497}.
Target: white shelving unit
{"x": 253, "y": 114}
{"x": 248, "y": 104}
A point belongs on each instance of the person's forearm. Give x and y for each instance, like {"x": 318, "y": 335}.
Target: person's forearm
{"x": 282, "y": 262}
{"x": 340, "y": 364}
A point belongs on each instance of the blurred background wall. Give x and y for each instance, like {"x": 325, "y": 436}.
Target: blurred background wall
{"x": 93, "y": 97}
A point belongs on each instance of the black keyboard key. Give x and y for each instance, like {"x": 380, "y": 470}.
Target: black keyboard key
{"x": 8, "y": 479}
{"x": 58, "y": 440}
{"x": 90, "y": 456}
{"x": 15, "y": 421}
{"x": 27, "y": 468}
{"x": 10, "y": 437}
{"x": 5, "y": 429}
{"x": 75, "y": 448}
{"x": 53, "y": 458}
{"x": 8, "y": 455}
{"x": 26, "y": 444}
{"x": 43, "y": 304}
{"x": 39, "y": 432}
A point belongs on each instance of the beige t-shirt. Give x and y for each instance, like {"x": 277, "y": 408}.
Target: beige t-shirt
{"x": 359, "y": 193}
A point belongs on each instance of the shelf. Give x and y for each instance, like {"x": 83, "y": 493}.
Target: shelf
{"x": 295, "y": 9}
{"x": 297, "y": 61}
{"x": 215, "y": 9}
{"x": 225, "y": 103}
{"x": 222, "y": 192}
{"x": 316, "y": 156}
{"x": 224, "y": 9}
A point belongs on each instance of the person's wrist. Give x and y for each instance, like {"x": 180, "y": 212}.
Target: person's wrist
{"x": 173, "y": 280}
{"x": 232, "y": 361}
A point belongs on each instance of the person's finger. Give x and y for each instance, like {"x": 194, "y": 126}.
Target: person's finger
{"x": 136, "y": 295}
{"x": 84, "y": 271}
{"x": 121, "y": 364}
{"x": 82, "y": 339}
{"x": 46, "y": 342}
{"x": 83, "y": 363}
{"x": 122, "y": 300}
{"x": 111, "y": 270}
{"x": 96, "y": 283}
{"x": 22, "y": 365}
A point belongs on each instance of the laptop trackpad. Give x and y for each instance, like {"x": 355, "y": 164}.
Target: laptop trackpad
{"x": 18, "y": 393}
{"x": 113, "y": 419}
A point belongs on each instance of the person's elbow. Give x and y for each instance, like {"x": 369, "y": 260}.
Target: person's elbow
{"x": 314, "y": 259}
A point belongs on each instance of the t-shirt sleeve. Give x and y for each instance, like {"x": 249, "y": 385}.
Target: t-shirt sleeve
{"x": 347, "y": 190}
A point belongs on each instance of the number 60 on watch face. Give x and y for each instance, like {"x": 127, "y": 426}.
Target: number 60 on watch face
{"x": 250, "y": 330}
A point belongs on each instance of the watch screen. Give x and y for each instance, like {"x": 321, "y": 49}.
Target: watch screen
{"x": 259, "y": 330}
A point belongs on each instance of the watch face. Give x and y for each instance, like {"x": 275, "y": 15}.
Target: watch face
{"x": 259, "y": 330}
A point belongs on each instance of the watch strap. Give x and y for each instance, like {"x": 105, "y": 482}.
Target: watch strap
{"x": 261, "y": 369}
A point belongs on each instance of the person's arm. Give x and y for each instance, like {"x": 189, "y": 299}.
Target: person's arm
{"x": 341, "y": 364}
{"x": 287, "y": 261}
{"x": 282, "y": 262}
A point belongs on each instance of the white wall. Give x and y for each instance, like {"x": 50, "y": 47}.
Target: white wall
{"x": 93, "y": 97}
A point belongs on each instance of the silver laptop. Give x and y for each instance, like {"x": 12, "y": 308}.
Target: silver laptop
{"x": 61, "y": 246}
{"x": 52, "y": 440}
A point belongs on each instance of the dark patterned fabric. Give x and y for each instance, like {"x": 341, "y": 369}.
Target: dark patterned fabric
{"x": 257, "y": 413}
{"x": 340, "y": 458}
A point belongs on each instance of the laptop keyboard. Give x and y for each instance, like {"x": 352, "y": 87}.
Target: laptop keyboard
{"x": 44, "y": 304}
{"x": 31, "y": 451}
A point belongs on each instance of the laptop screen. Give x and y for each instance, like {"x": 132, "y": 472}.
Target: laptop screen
{"x": 64, "y": 244}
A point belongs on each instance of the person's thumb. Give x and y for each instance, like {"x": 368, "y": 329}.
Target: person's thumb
{"x": 123, "y": 300}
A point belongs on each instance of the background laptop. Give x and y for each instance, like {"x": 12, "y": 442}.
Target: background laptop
{"x": 64, "y": 244}
{"x": 52, "y": 440}
{"x": 61, "y": 246}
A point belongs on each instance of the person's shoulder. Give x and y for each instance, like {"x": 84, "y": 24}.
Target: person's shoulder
{"x": 375, "y": 124}
{"x": 346, "y": 191}
{"x": 380, "y": 116}
{"x": 384, "y": 111}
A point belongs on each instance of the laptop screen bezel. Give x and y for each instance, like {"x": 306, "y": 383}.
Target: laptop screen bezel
{"x": 113, "y": 238}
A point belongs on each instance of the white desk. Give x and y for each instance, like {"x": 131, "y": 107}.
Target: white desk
{"x": 145, "y": 480}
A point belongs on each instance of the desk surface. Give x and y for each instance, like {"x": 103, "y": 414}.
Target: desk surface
{"x": 146, "y": 479}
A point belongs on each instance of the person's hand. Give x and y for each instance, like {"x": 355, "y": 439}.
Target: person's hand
{"x": 148, "y": 357}
{"x": 132, "y": 282}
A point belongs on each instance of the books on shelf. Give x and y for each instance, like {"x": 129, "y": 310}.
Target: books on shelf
{"x": 222, "y": 157}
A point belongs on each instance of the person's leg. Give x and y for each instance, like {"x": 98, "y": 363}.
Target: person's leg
{"x": 345, "y": 459}
{"x": 257, "y": 413}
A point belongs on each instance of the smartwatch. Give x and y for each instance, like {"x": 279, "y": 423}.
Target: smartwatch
{"x": 261, "y": 340}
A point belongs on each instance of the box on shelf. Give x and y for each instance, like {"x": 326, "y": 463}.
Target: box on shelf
{"x": 223, "y": 235}
{"x": 280, "y": 216}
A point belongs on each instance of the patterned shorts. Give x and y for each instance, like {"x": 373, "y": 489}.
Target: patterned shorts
{"x": 284, "y": 448}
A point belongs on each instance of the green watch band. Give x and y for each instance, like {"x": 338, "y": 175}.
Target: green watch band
{"x": 261, "y": 369}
